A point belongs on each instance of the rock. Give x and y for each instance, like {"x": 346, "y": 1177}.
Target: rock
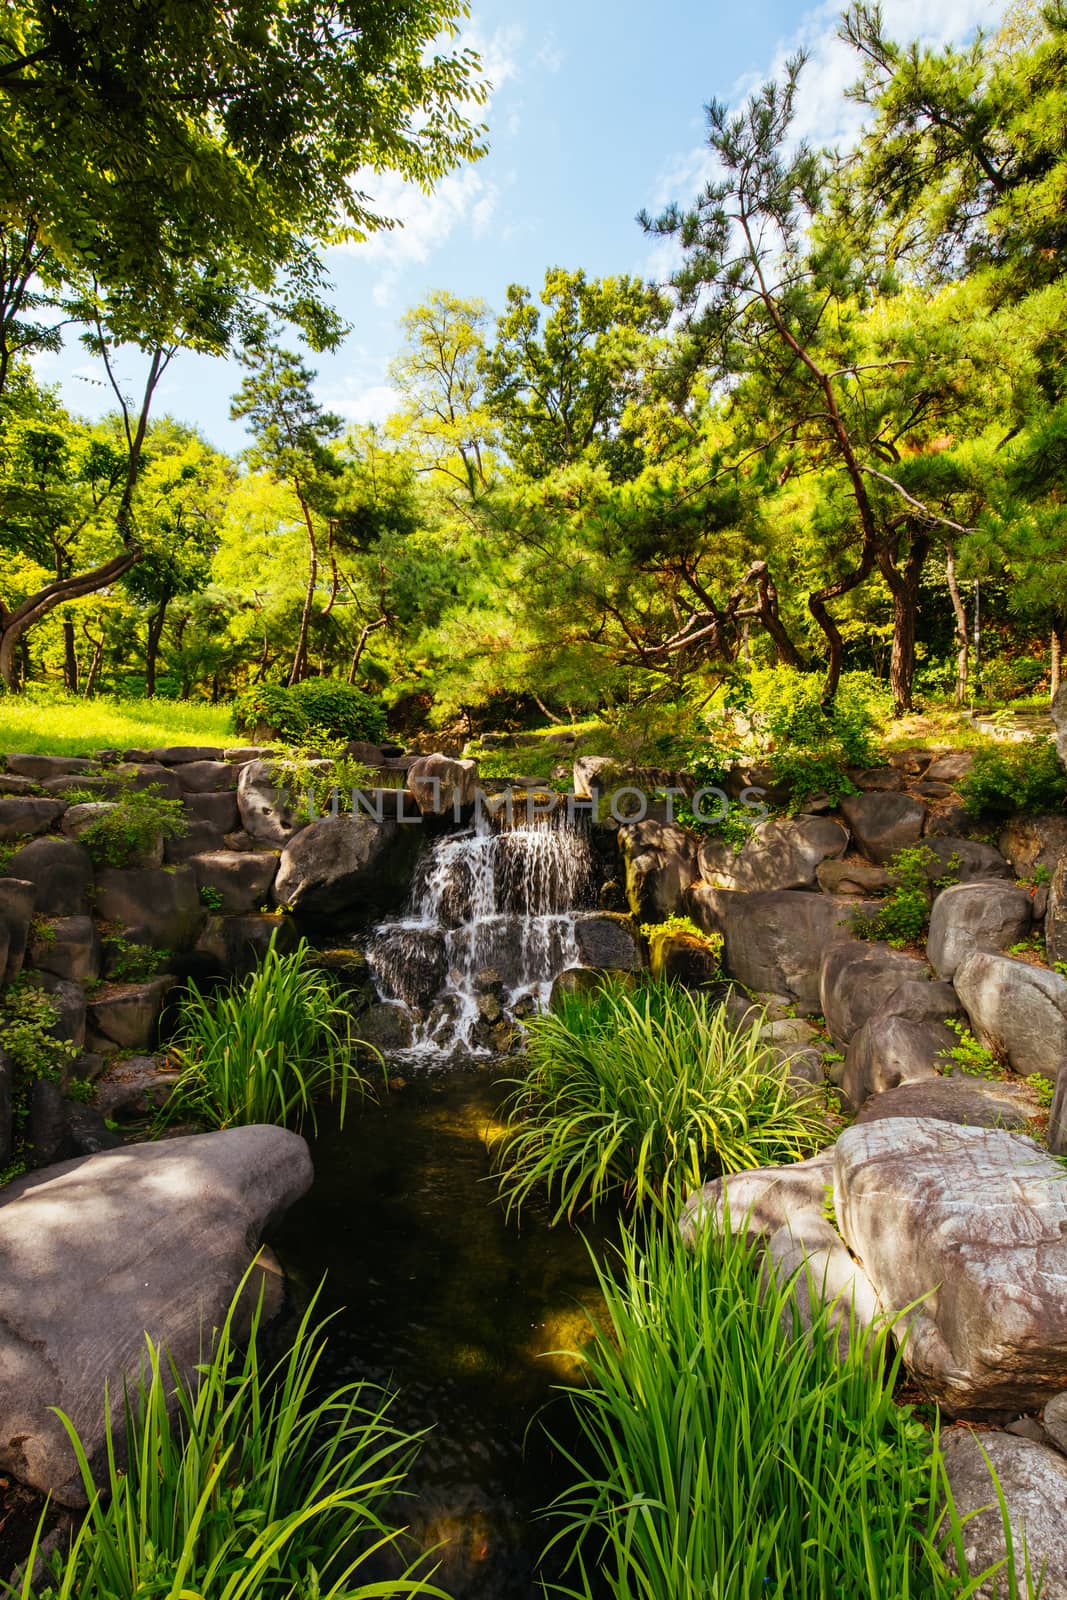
{"x": 969, "y": 1227}
{"x": 880, "y": 780}
{"x": 69, "y": 948}
{"x": 240, "y": 753}
{"x": 200, "y": 839}
{"x": 9, "y": 784}
{"x": 61, "y": 873}
{"x": 920, "y": 1000}
{"x": 344, "y": 864}
{"x": 268, "y": 810}
{"x": 237, "y": 945}
{"x": 7, "y": 1085}
{"x": 80, "y": 818}
{"x": 1033, "y": 1481}
{"x": 242, "y": 880}
{"x": 220, "y": 810}
{"x": 409, "y": 964}
{"x": 607, "y": 939}
{"x": 809, "y": 1251}
{"x": 23, "y": 814}
{"x": 185, "y": 754}
{"x": 1056, "y": 915}
{"x": 759, "y": 1201}
{"x": 932, "y": 791}
{"x": 367, "y": 754}
{"x": 1055, "y": 1421}
{"x": 592, "y": 772}
{"x": 968, "y": 1102}
{"x": 687, "y": 960}
{"x": 206, "y": 777}
{"x": 160, "y": 905}
{"x": 490, "y": 1009}
{"x": 974, "y": 916}
{"x": 660, "y": 862}
{"x": 128, "y": 1014}
{"x": 69, "y": 1002}
{"x": 774, "y": 941}
{"x": 96, "y": 1253}
{"x": 582, "y": 981}
{"x": 780, "y": 853}
{"x": 856, "y": 980}
{"x": 162, "y": 780}
{"x": 851, "y": 878}
{"x": 1032, "y": 842}
{"x": 882, "y": 824}
{"x": 946, "y": 818}
{"x": 387, "y": 1027}
{"x": 60, "y": 1129}
{"x": 17, "y": 897}
{"x": 1016, "y": 1010}
{"x": 967, "y": 859}
{"x": 443, "y": 786}
{"x": 1057, "y": 1118}
{"x": 134, "y": 1086}
{"x": 40, "y": 768}
{"x": 913, "y": 763}
{"x": 891, "y": 1050}
{"x": 951, "y": 767}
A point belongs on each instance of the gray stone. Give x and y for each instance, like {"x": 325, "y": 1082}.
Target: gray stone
{"x": 21, "y": 815}
{"x": 780, "y": 853}
{"x": 69, "y": 948}
{"x": 966, "y": 859}
{"x": 920, "y": 1000}
{"x": 409, "y": 964}
{"x": 1056, "y": 915}
{"x": 442, "y": 786}
{"x": 692, "y": 962}
{"x": 876, "y": 780}
{"x": 607, "y": 939}
{"x": 241, "y": 879}
{"x": 160, "y": 906}
{"x": 96, "y": 1253}
{"x": 1016, "y": 1010}
{"x": 1057, "y": 1119}
{"x": 80, "y": 818}
{"x": 856, "y": 980}
{"x": 1055, "y": 1421}
{"x": 660, "y": 862}
{"x": 890, "y": 1050}
{"x": 592, "y": 772}
{"x": 951, "y": 767}
{"x": 237, "y": 945}
{"x": 968, "y": 1102}
{"x": 968, "y": 1227}
{"x": 808, "y": 1252}
{"x": 1059, "y": 722}
{"x": 60, "y": 1129}
{"x": 7, "y": 1086}
{"x": 186, "y": 755}
{"x": 134, "y": 1086}
{"x": 17, "y": 898}
{"x": 975, "y": 916}
{"x": 9, "y": 784}
{"x": 201, "y": 838}
{"x": 219, "y": 810}
{"x": 206, "y": 777}
{"x": 945, "y": 818}
{"x": 40, "y": 768}
{"x": 61, "y": 873}
{"x": 344, "y": 864}
{"x": 153, "y": 776}
{"x": 1032, "y": 842}
{"x": 774, "y": 942}
{"x": 267, "y": 807}
{"x": 1033, "y": 1481}
{"x": 128, "y": 1014}
{"x": 387, "y": 1028}
{"x": 852, "y": 878}
{"x": 69, "y": 1002}
{"x": 913, "y": 763}
{"x": 882, "y": 824}
{"x": 240, "y": 753}
{"x": 761, "y": 1200}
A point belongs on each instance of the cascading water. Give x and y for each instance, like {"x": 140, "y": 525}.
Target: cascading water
{"x": 489, "y": 925}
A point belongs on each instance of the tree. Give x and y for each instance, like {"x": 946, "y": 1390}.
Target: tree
{"x": 446, "y": 419}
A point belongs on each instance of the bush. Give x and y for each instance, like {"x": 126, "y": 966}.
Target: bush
{"x": 1006, "y": 778}
{"x": 903, "y": 915}
{"x": 660, "y": 934}
{"x": 810, "y": 747}
{"x": 136, "y": 820}
{"x": 247, "y": 1482}
{"x": 1013, "y": 680}
{"x": 266, "y": 1049}
{"x": 28, "y": 1017}
{"x": 625, "y": 1095}
{"x": 728, "y": 1452}
{"x": 318, "y": 706}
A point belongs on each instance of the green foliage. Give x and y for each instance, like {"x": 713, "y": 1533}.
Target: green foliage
{"x": 129, "y": 962}
{"x": 137, "y": 818}
{"x": 968, "y": 1055}
{"x": 210, "y": 899}
{"x": 28, "y": 1017}
{"x": 1009, "y": 778}
{"x": 264, "y": 1050}
{"x": 659, "y": 935}
{"x": 810, "y": 746}
{"x": 1043, "y": 1089}
{"x": 248, "y": 1480}
{"x": 37, "y": 721}
{"x": 902, "y": 917}
{"x": 317, "y": 707}
{"x": 627, "y": 1094}
{"x": 273, "y": 705}
{"x": 320, "y": 778}
{"x": 729, "y": 1451}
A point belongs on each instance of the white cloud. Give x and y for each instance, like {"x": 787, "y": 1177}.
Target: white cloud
{"x": 360, "y": 402}
{"x": 550, "y": 56}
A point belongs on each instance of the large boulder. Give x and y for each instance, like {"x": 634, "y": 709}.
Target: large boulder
{"x": 409, "y": 963}
{"x": 1030, "y": 842}
{"x": 96, "y": 1253}
{"x": 975, "y": 916}
{"x": 661, "y": 862}
{"x": 17, "y": 898}
{"x": 23, "y": 814}
{"x": 1056, "y": 915}
{"x": 761, "y": 1200}
{"x": 235, "y": 881}
{"x": 963, "y": 1232}
{"x": 774, "y": 942}
{"x": 199, "y": 839}
{"x": 607, "y": 939}
{"x": 856, "y": 878}
{"x": 237, "y": 945}
{"x": 41, "y": 768}
{"x": 969, "y": 1102}
{"x": 80, "y": 818}
{"x": 61, "y": 872}
{"x": 593, "y": 772}
{"x": 343, "y": 864}
{"x": 1057, "y": 1120}
{"x": 267, "y": 800}
{"x": 889, "y": 1050}
{"x": 1033, "y": 1482}
{"x": 152, "y": 905}
{"x": 856, "y": 980}
{"x": 964, "y": 860}
{"x": 69, "y": 948}
{"x": 443, "y": 786}
{"x": 780, "y": 853}
{"x": 206, "y": 777}
{"x": 882, "y": 824}
{"x": 126, "y": 1015}
{"x": 217, "y": 810}
{"x": 1017, "y": 1010}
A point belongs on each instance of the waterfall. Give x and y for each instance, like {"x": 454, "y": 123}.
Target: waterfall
{"x": 489, "y": 924}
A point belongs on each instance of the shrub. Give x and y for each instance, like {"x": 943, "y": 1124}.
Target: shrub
{"x": 728, "y": 1452}
{"x": 903, "y": 915}
{"x": 810, "y": 746}
{"x": 624, "y": 1095}
{"x": 28, "y": 1017}
{"x": 132, "y": 826}
{"x": 129, "y": 962}
{"x": 265, "y": 1049}
{"x": 659, "y": 935}
{"x": 274, "y": 705}
{"x": 1006, "y": 778}
{"x": 247, "y": 1482}
{"x": 317, "y": 706}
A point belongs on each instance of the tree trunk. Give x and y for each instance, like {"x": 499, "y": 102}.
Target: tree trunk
{"x": 1056, "y": 652}
{"x": 151, "y": 655}
{"x": 70, "y": 657}
{"x": 904, "y": 587}
{"x": 98, "y": 656}
{"x": 962, "y": 642}
{"x": 13, "y": 624}
{"x": 819, "y": 608}
{"x": 300, "y": 659}
{"x": 368, "y": 629}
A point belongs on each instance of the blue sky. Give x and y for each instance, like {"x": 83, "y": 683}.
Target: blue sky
{"x": 596, "y": 112}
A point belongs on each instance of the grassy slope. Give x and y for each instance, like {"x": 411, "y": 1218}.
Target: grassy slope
{"x": 78, "y": 727}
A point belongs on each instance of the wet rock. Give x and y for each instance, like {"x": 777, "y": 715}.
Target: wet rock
{"x": 17, "y": 897}
{"x": 442, "y": 786}
{"x": 975, "y": 916}
{"x": 968, "y": 1102}
{"x": 890, "y": 1050}
{"x": 968, "y": 1226}
{"x": 69, "y": 948}
{"x": 95, "y": 1253}
{"x": 606, "y": 939}
{"x": 1016, "y": 1010}
{"x": 61, "y": 873}
{"x": 41, "y": 768}
{"x": 22, "y": 815}
{"x": 582, "y": 981}
{"x": 490, "y": 1009}
{"x": 345, "y": 864}
{"x": 241, "y": 881}
{"x": 882, "y": 824}
{"x": 857, "y": 979}
{"x": 1033, "y": 1481}
{"x": 387, "y": 1028}
{"x": 489, "y": 981}
{"x": 660, "y": 863}
{"x": 158, "y": 906}
{"x": 409, "y": 963}
{"x": 127, "y": 1014}
{"x": 780, "y": 853}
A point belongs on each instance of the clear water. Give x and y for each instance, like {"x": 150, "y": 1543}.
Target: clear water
{"x": 457, "y": 1309}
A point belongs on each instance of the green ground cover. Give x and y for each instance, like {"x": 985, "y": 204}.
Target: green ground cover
{"x": 69, "y": 726}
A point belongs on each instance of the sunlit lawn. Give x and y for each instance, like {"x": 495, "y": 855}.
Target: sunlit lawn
{"x": 71, "y": 727}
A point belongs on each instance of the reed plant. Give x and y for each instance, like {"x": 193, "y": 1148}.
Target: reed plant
{"x": 265, "y": 1049}
{"x": 245, "y": 1481}
{"x": 627, "y": 1092}
{"x": 729, "y": 1453}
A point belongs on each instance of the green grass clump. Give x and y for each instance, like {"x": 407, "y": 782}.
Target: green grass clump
{"x": 728, "y": 1453}
{"x": 64, "y": 725}
{"x": 626, "y": 1094}
{"x": 266, "y": 1049}
{"x": 253, "y": 1484}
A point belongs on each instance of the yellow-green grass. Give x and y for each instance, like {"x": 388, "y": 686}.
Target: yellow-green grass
{"x": 67, "y": 726}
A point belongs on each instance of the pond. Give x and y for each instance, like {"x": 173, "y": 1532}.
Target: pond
{"x": 456, "y": 1308}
